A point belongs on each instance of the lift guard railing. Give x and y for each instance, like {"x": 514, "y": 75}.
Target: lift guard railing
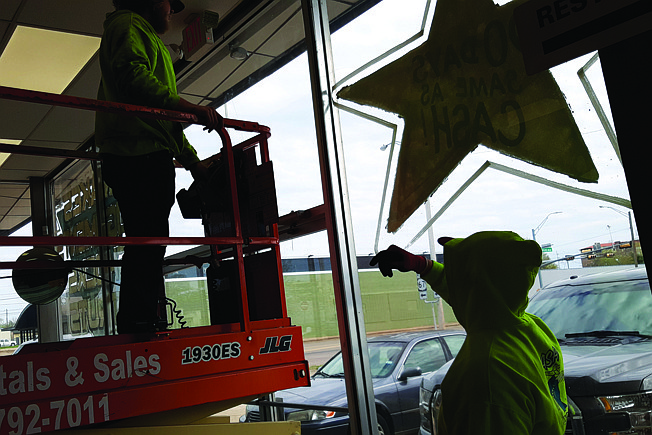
{"x": 236, "y": 242}
{"x": 250, "y": 349}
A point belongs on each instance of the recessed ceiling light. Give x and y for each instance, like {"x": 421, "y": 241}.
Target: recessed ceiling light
{"x": 44, "y": 60}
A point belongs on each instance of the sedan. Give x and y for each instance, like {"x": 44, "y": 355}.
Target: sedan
{"x": 397, "y": 361}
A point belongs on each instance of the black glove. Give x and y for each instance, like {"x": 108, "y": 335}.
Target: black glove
{"x": 399, "y": 259}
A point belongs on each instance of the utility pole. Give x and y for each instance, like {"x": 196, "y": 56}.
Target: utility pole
{"x": 439, "y": 319}
{"x": 534, "y": 238}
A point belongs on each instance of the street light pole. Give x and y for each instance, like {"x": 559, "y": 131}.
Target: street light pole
{"x": 631, "y": 231}
{"x": 534, "y": 238}
{"x": 628, "y": 215}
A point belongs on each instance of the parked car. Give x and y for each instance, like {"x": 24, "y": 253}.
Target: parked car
{"x": 604, "y": 326}
{"x": 5, "y": 342}
{"x": 398, "y": 362}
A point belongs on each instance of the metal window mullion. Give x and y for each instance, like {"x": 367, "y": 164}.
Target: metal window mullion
{"x": 346, "y": 286}
{"x": 48, "y": 320}
{"x": 105, "y": 252}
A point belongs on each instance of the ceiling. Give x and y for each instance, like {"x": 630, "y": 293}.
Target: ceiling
{"x": 271, "y": 31}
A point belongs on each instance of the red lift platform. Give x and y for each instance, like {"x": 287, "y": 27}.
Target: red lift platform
{"x": 250, "y": 350}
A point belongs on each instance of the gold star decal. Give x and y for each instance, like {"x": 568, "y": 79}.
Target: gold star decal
{"x": 467, "y": 86}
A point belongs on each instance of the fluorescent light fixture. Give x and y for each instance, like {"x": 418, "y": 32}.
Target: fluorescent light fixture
{"x": 5, "y": 156}
{"x": 44, "y": 60}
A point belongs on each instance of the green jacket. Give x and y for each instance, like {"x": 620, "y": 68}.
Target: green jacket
{"x": 508, "y": 377}
{"x": 137, "y": 69}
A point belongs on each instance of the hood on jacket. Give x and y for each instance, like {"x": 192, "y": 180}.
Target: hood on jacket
{"x": 486, "y": 278}
{"x": 111, "y": 17}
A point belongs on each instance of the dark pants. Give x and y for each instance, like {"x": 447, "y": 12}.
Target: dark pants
{"x": 144, "y": 188}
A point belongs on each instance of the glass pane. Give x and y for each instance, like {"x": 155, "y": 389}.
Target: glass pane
{"x": 113, "y": 228}
{"x": 487, "y": 189}
{"x": 75, "y": 213}
{"x": 427, "y": 355}
{"x": 14, "y": 305}
{"x": 388, "y": 303}
{"x": 293, "y": 152}
{"x": 187, "y": 293}
{"x": 383, "y": 357}
{"x": 455, "y": 343}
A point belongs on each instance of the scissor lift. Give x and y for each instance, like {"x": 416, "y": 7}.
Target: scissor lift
{"x": 175, "y": 376}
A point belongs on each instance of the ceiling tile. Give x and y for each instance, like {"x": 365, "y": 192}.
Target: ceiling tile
{"x": 266, "y": 28}
{"x": 15, "y": 190}
{"x": 87, "y": 82}
{"x": 277, "y": 44}
{"x": 18, "y": 119}
{"x": 51, "y": 144}
{"x": 21, "y": 174}
{"x": 10, "y": 222}
{"x": 204, "y": 83}
{"x": 249, "y": 66}
{"x": 30, "y": 163}
{"x": 8, "y": 9}
{"x": 5, "y": 203}
{"x": 65, "y": 124}
{"x": 12, "y": 216}
{"x": 4, "y": 26}
{"x": 51, "y": 14}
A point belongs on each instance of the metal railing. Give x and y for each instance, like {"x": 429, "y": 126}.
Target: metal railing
{"x": 236, "y": 242}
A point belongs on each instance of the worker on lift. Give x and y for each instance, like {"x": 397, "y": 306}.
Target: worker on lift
{"x": 508, "y": 377}
{"x": 137, "y": 153}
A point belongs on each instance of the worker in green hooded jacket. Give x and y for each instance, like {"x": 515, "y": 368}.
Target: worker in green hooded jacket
{"x": 508, "y": 377}
{"x": 138, "y": 153}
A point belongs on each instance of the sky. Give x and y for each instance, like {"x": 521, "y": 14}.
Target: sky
{"x": 495, "y": 201}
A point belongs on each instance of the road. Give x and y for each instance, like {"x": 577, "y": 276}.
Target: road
{"x": 317, "y": 352}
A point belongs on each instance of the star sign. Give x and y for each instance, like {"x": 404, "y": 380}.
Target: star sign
{"x": 467, "y": 86}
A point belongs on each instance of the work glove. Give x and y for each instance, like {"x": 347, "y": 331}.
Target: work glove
{"x": 399, "y": 259}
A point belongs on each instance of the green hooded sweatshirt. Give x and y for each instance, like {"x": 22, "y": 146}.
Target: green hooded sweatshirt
{"x": 137, "y": 69}
{"x": 508, "y": 378}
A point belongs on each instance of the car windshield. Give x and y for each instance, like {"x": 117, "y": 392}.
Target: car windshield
{"x": 383, "y": 357}
{"x": 622, "y": 306}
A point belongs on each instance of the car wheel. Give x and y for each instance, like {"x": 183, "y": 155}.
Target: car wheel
{"x": 383, "y": 426}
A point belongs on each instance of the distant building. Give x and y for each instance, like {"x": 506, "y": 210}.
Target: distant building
{"x": 26, "y": 326}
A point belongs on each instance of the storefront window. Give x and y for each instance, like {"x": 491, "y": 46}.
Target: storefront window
{"x": 82, "y": 305}
{"x": 487, "y": 188}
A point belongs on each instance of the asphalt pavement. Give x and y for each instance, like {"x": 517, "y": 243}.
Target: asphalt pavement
{"x": 318, "y": 352}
